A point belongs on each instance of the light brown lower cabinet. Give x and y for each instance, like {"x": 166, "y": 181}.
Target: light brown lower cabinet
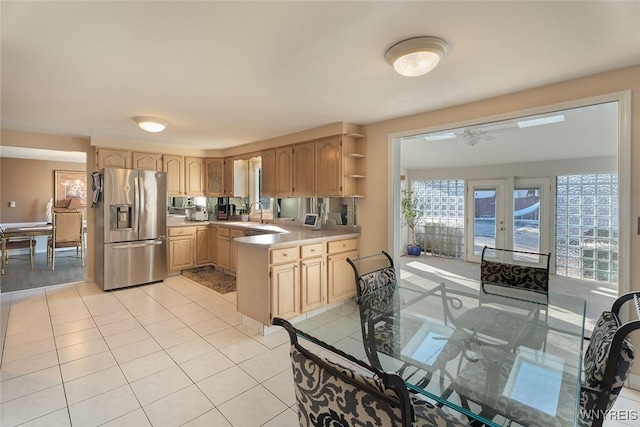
{"x": 341, "y": 280}
{"x": 182, "y": 248}
{"x": 224, "y": 259}
{"x": 285, "y": 290}
{"x": 202, "y": 245}
{"x": 313, "y": 277}
{"x": 233, "y": 248}
{"x": 301, "y": 278}
{"x": 213, "y": 244}
{"x": 227, "y": 249}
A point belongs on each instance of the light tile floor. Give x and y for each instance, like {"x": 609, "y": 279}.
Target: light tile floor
{"x": 167, "y": 354}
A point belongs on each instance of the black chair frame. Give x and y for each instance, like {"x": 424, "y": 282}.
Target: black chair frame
{"x": 620, "y": 335}
{"x": 391, "y": 381}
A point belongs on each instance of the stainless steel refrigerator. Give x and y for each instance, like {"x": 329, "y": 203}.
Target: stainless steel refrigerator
{"x": 131, "y": 228}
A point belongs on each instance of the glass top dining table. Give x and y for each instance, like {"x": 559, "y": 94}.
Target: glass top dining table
{"x": 490, "y": 351}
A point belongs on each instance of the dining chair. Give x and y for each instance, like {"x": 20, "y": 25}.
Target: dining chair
{"x": 512, "y": 274}
{"x": 20, "y": 243}
{"x": 606, "y": 366}
{"x": 378, "y": 301}
{"x": 67, "y": 233}
{"x": 338, "y": 389}
{"x": 483, "y": 318}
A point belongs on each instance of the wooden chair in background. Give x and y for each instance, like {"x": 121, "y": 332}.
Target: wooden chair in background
{"x": 20, "y": 243}
{"x": 67, "y": 233}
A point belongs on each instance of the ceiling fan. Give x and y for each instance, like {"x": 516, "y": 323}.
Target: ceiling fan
{"x": 484, "y": 132}
{"x": 472, "y": 137}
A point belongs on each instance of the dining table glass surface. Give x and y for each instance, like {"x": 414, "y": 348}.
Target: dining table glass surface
{"x": 490, "y": 351}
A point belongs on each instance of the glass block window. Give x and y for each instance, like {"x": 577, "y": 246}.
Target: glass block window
{"x": 587, "y": 226}
{"x": 441, "y": 229}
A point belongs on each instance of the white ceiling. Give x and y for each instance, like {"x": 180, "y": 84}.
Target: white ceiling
{"x": 228, "y": 73}
{"x": 40, "y": 154}
{"x": 590, "y": 131}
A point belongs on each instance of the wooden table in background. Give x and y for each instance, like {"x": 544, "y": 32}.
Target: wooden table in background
{"x": 30, "y": 231}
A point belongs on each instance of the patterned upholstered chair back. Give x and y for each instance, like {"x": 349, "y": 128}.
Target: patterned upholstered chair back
{"x": 377, "y": 291}
{"x": 329, "y": 393}
{"x": 527, "y": 277}
{"x": 377, "y": 298}
{"x": 607, "y": 361}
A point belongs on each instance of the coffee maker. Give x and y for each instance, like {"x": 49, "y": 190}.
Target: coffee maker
{"x": 224, "y": 209}
{"x": 189, "y": 209}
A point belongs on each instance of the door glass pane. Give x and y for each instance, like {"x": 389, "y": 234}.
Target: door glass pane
{"x": 526, "y": 223}
{"x": 484, "y": 221}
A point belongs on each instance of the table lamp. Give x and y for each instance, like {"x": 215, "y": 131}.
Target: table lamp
{"x": 74, "y": 204}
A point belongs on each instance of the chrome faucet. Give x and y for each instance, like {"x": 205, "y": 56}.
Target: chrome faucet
{"x": 259, "y": 204}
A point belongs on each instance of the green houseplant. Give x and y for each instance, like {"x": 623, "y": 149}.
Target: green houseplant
{"x": 411, "y": 214}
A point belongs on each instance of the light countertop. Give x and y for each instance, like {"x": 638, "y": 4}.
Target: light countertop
{"x": 281, "y": 234}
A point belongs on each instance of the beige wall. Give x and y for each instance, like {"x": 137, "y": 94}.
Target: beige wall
{"x": 30, "y": 184}
{"x": 16, "y": 138}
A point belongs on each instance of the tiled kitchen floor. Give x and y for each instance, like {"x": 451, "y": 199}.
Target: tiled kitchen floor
{"x": 167, "y": 354}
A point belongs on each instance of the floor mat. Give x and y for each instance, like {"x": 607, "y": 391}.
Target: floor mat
{"x": 211, "y": 278}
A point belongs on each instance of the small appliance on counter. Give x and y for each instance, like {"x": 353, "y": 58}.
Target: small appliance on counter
{"x": 225, "y": 211}
{"x": 312, "y": 221}
{"x": 189, "y": 209}
{"x": 200, "y": 213}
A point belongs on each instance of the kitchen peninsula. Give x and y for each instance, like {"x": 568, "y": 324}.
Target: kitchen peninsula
{"x": 282, "y": 269}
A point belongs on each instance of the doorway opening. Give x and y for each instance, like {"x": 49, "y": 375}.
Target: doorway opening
{"x": 30, "y": 178}
{"x": 516, "y": 172}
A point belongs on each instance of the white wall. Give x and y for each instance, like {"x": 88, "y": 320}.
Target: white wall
{"x": 550, "y": 168}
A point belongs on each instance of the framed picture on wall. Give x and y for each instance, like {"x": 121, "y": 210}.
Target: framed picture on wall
{"x": 69, "y": 185}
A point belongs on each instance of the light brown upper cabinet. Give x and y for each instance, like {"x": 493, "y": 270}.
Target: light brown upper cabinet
{"x": 194, "y": 172}
{"x": 304, "y": 169}
{"x": 228, "y": 176}
{"x": 268, "y": 173}
{"x": 174, "y": 167}
{"x": 284, "y": 175}
{"x": 329, "y": 167}
{"x": 147, "y": 161}
{"x": 113, "y": 158}
{"x": 214, "y": 181}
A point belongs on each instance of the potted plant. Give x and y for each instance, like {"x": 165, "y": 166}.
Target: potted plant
{"x": 411, "y": 214}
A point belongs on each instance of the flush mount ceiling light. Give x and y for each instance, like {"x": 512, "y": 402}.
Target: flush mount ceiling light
{"x": 417, "y": 56}
{"x": 151, "y": 124}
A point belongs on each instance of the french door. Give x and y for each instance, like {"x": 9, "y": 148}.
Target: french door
{"x": 510, "y": 213}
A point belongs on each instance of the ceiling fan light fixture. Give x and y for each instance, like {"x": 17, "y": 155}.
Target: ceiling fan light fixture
{"x": 416, "y": 56}
{"x": 151, "y": 124}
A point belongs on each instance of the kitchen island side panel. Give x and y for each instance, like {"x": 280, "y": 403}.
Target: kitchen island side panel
{"x": 252, "y": 282}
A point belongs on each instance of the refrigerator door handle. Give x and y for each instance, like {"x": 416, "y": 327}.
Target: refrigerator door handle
{"x": 136, "y": 208}
{"x": 141, "y": 193}
{"x": 138, "y": 245}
